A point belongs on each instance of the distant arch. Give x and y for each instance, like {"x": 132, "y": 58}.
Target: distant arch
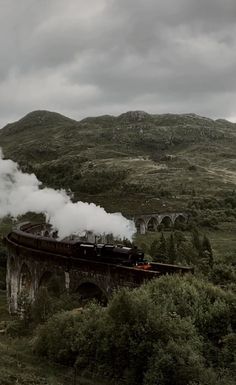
{"x": 53, "y": 282}
{"x": 152, "y": 224}
{"x": 166, "y": 222}
{"x": 140, "y": 226}
{"x": 180, "y": 219}
{"x": 89, "y": 290}
{"x": 26, "y": 281}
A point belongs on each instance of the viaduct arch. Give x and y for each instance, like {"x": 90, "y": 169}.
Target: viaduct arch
{"x": 150, "y": 222}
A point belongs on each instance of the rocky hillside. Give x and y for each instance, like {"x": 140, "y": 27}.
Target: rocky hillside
{"x": 135, "y": 162}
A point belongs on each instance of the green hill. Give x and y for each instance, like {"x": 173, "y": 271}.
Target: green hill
{"x": 138, "y": 163}
{"x": 135, "y": 162}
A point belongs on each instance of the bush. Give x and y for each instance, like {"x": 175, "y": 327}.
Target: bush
{"x": 223, "y": 274}
{"x": 163, "y": 332}
{"x": 55, "y": 338}
{"x": 16, "y": 328}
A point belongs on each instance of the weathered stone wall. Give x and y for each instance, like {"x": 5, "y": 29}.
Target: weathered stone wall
{"x": 27, "y": 269}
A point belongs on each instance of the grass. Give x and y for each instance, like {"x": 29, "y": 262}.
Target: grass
{"x": 224, "y": 242}
{"x": 18, "y": 365}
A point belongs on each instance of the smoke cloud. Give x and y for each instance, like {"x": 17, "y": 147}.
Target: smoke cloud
{"x": 20, "y": 193}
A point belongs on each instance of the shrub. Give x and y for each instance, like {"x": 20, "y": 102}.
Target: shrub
{"x": 55, "y": 338}
{"x": 163, "y": 332}
{"x": 16, "y": 328}
{"x": 223, "y": 274}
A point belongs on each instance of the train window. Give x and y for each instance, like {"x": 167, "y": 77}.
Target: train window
{"x": 87, "y": 245}
{"x": 108, "y": 247}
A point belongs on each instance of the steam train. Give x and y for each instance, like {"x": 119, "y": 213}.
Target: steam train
{"x": 109, "y": 253}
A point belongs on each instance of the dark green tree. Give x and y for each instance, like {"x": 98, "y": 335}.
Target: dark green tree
{"x": 171, "y": 253}
{"x": 207, "y": 251}
{"x": 154, "y": 248}
{"x": 162, "y": 249}
{"x": 196, "y": 241}
{"x": 144, "y": 247}
{"x": 158, "y": 250}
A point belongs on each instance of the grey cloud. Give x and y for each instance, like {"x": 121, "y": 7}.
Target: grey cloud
{"x": 109, "y": 56}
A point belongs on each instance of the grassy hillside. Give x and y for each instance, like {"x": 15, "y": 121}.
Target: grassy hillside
{"x": 135, "y": 162}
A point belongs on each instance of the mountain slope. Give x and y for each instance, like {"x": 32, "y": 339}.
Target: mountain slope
{"x": 135, "y": 162}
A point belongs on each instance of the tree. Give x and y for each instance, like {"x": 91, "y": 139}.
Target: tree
{"x": 162, "y": 247}
{"x": 153, "y": 251}
{"x": 161, "y": 250}
{"x": 158, "y": 249}
{"x": 196, "y": 241}
{"x": 171, "y": 250}
{"x": 207, "y": 251}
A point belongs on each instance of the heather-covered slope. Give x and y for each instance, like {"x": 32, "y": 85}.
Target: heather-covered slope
{"x": 135, "y": 162}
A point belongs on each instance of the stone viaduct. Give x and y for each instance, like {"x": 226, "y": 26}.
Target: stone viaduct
{"x": 29, "y": 268}
{"x": 150, "y": 222}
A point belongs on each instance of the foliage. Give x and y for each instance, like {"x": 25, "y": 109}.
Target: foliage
{"x": 171, "y": 252}
{"x": 56, "y": 338}
{"x": 172, "y": 330}
{"x": 207, "y": 250}
{"x": 180, "y": 249}
{"x": 16, "y": 328}
{"x": 223, "y": 274}
{"x": 46, "y": 304}
{"x": 154, "y": 248}
{"x": 196, "y": 240}
{"x": 17, "y": 363}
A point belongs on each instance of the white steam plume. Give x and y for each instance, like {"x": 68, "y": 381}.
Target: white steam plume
{"x": 20, "y": 192}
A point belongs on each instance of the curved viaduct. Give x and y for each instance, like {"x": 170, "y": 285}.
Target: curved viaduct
{"x": 150, "y": 222}
{"x": 30, "y": 268}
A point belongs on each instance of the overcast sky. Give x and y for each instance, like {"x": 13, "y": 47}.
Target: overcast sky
{"x": 92, "y": 57}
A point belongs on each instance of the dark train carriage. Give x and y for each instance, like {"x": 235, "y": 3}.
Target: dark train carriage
{"x": 25, "y": 239}
{"x": 109, "y": 253}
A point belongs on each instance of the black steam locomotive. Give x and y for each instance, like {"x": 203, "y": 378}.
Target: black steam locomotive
{"x": 108, "y": 253}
